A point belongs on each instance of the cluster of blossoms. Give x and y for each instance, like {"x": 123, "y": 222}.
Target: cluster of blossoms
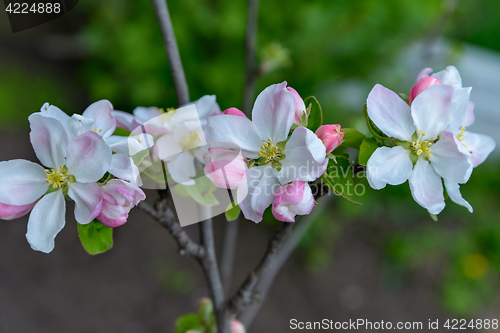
{"x": 82, "y": 161}
{"x": 430, "y": 145}
{"x": 270, "y": 159}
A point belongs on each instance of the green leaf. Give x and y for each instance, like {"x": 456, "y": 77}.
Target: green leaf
{"x": 352, "y": 138}
{"x": 232, "y": 212}
{"x": 433, "y": 217}
{"x": 121, "y": 132}
{"x": 95, "y": 237}
{"x": 367, "y": 148}
{"x": 202, "y": 191}
{"x": 188, "y": 322}
{"x": 315, "y": 116}
{"x": 338, "y": 178}
{"x": 139, "y": 157}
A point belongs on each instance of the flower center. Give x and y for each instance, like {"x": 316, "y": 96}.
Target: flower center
{"x": 421, "y": 146}
{"x": 58, "y": 178}
{"x": 97, "y": 130}
{"x": 190, "y": 141}
{"x": 461, "y": 135}
{"x": 269, "y": 151}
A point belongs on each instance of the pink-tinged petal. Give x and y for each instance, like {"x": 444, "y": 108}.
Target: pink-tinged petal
{"x": 49, "y": 140}
{"x": 300, "y": 107}
{"x": 304, "y": 137}
{"x": 432, "y": 110}
{"x": 207, "y": 106}
{"x": 89, "y": 157}
{"x": 460, "y": 104}
{"x": 52, "y": 111}
{"x": 450, "y": 76}
{"x": 424, "y": 72}
{"x": 129, "y": 145}
{"x": 143, "y": 114}
{"x": 123, "y": 166}
{"x": 273, "y": 112}
{"x": 331, "y": 136}
{"x": 88, "y": 201}
{"x": 119, "y": 197}
{"x": 480, "y": 147}
{"x": 421, "y": 85}
{"x": 453, "y": 190}
{"x": 225, "y": 167}
{"x": 256, "y": 191}
{"x": 469, "y": 115}
{"x": 181, "y": 168}
{"x": 237, "y": 131}
{"x": 237, "y": 326}
{"x": 11, "y": 212}
{"x": 292, "y": 199}
{"x": 234, "y": 112}
{"x": 46, "y": 220}
{"x": 426, "y": 187}
{"x": 390, "y": 113}
{"x": 104, "y": 122}
{"x": 388, "y": 166}
{"x": 77, "y": 125}
{"x": 123, "y": 119}
{"x": 448, "y": 161}
{"x": 167, "y": 147}
{"x": 21, "y": 182}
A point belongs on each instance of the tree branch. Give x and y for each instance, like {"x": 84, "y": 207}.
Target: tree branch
{"x": 228, "y": 252}
{"x": 174, "y": 59}
{"x": 250, "y": 47}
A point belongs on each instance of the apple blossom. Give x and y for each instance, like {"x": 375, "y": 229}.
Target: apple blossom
{"x": 73, "y": 168}
{"x": 225, "y": 167}
{"x": 279, "y": 159}
{"x": 421, "y": 85}
{"x": 331, "y": 136}
{"x": 300, "y": 108}
{"x": 293, "y": 199}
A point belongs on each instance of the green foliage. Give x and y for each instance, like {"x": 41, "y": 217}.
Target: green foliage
{"x": 201, "y": 191}
{"x": 366, "y": 149}
{"x": 95, "y": 237}
{"x": 201, "y": 322}
{"x": 232, "y": 212}
{"x": 338, "y": 177}
{"x": 352, "y": 138}
{"x": 314, "y": 112}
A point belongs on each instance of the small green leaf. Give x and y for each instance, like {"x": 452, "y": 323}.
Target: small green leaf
{"x": 202, "y": 191}
{"x": 121, "y": 132}
{"x": 367, "y": 148}
{"x": 95, "y": 237}
{"x": 232, "y": 212}
{"x": 188, "y": 322}
{"x": 352, "y": 138}
{"x": 315, "y": 118}
{"x": 139, "y": 157}
{"x": 433, "y": 217}
{"x": 338, "y": 178}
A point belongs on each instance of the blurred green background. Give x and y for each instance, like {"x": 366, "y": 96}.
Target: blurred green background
{"x": 335, "y": 50}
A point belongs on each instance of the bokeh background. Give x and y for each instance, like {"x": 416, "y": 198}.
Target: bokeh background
{"x": 385, "y": 260}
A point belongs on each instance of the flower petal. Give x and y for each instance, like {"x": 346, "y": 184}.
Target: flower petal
{"x": 207, "y": 106}
{"x": 181, "y": 168}
{"x": 21, "y": 182}
{"x": 104, "y": 122}
{"x": 49, "y": 140}
{"x": 256, "y": 191}
{"x": 88, "y": 201}
{"x": 123, "y": 119}
{"x": 389, "y": 166}
{"x": 469, "y": 115}
{"x": 274, "y": 112}
{"x": 304, "y": 137}
{"x": 424, "y": 72}
{"x": 390, "y": 113}
{"x": 129, "y": 145}
{"x": 426, "y": 187}
{"x": 448, "y": 161}
{"x": 53, "y": 111}
{"x": 459, "y": 110}
{"x": 453, "y": 190}
{"x": 167, "y": 147}
{"x": 89, "y": 157}
{"x": 11, "y": 212}
{"x": 432, "y": 110}
{"x": 46, "y": 220}
{"x": 123, "y": 166}
{"x": 78, "y": 125}
{"x": 450, "y": 76}
{"x": 234, "y": 130}
{"x": 480, "y": 147}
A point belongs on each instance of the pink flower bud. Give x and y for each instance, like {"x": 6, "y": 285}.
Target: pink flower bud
{"x": 11, "y": 212}
{"x": 300, "y": 107}
{"x": 119, "y": 197}
{"x": 237, "y": 326}
{"x": 421, "y": 85}
{"x": 225, "y": 167}
{"x": 292, "y": 199}
{"x": 331, "y": 135}
{"x": 234, "y": 112}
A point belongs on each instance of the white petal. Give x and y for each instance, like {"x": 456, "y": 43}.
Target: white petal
{"x": 235, "y": 130}
{"x": 390, "y": 113}
{"x": 46, "y": 220}
{"x": 303, "y": 137}
{"x": 53, "y": 111}
{"x": 389, "y": 166}
{"x": 273, "y": 112}
{"x": 469, "y": 115}
{"x": 129, "y": 145}
{"x": 143, "y": 114}
{"x": 88, "y": 201}
{"x": 424, "y": 72}
{"x": 256, "y": 191}
{"x": 21, "y": 182}
{"x": 450, "y": 76}
{"x": 49, "y": 140}
{"x": 206, "y": 106}
{"x": 166, "y": 147}
{"x": 432, "y": 110}
{"x": 100, "y": 111}
{"x": 300, "y": 165}
{"x": 448, "y": 161}
{"x": 479, "y": 145}
{"x": 453, "y": 190}
{"x": 123, "y": 119}
{"x": 426, "y": 187}
{"x": 89, "y": 157}
{"x": 459, "y": 110}
{"x": 123, "y": 166}
{"x": 78, "y": 125}
{"x": 182, "y": 169}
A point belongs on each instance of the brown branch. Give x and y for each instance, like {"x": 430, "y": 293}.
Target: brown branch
{"x": 250, "y": 53}
{"x": 228, "y": 252}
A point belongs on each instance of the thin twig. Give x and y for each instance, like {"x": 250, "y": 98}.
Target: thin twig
{"x": 167, "y": 31}
{"x": 228, "y": 252}
{"x": 250, "y": 53}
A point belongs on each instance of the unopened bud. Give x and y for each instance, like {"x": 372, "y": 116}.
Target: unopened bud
{"x": 234, "y": 112}
{"x": 237, "y": 326}
{"x": 421, "y": 85}
{"x": 331, "y": 135}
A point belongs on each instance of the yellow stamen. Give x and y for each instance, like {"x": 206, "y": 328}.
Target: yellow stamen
{"x": 421, "y": 146}
{"x": 190, "y": 141}
{"x": 269, "y": 151}
{"x": 57, "y": 179}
